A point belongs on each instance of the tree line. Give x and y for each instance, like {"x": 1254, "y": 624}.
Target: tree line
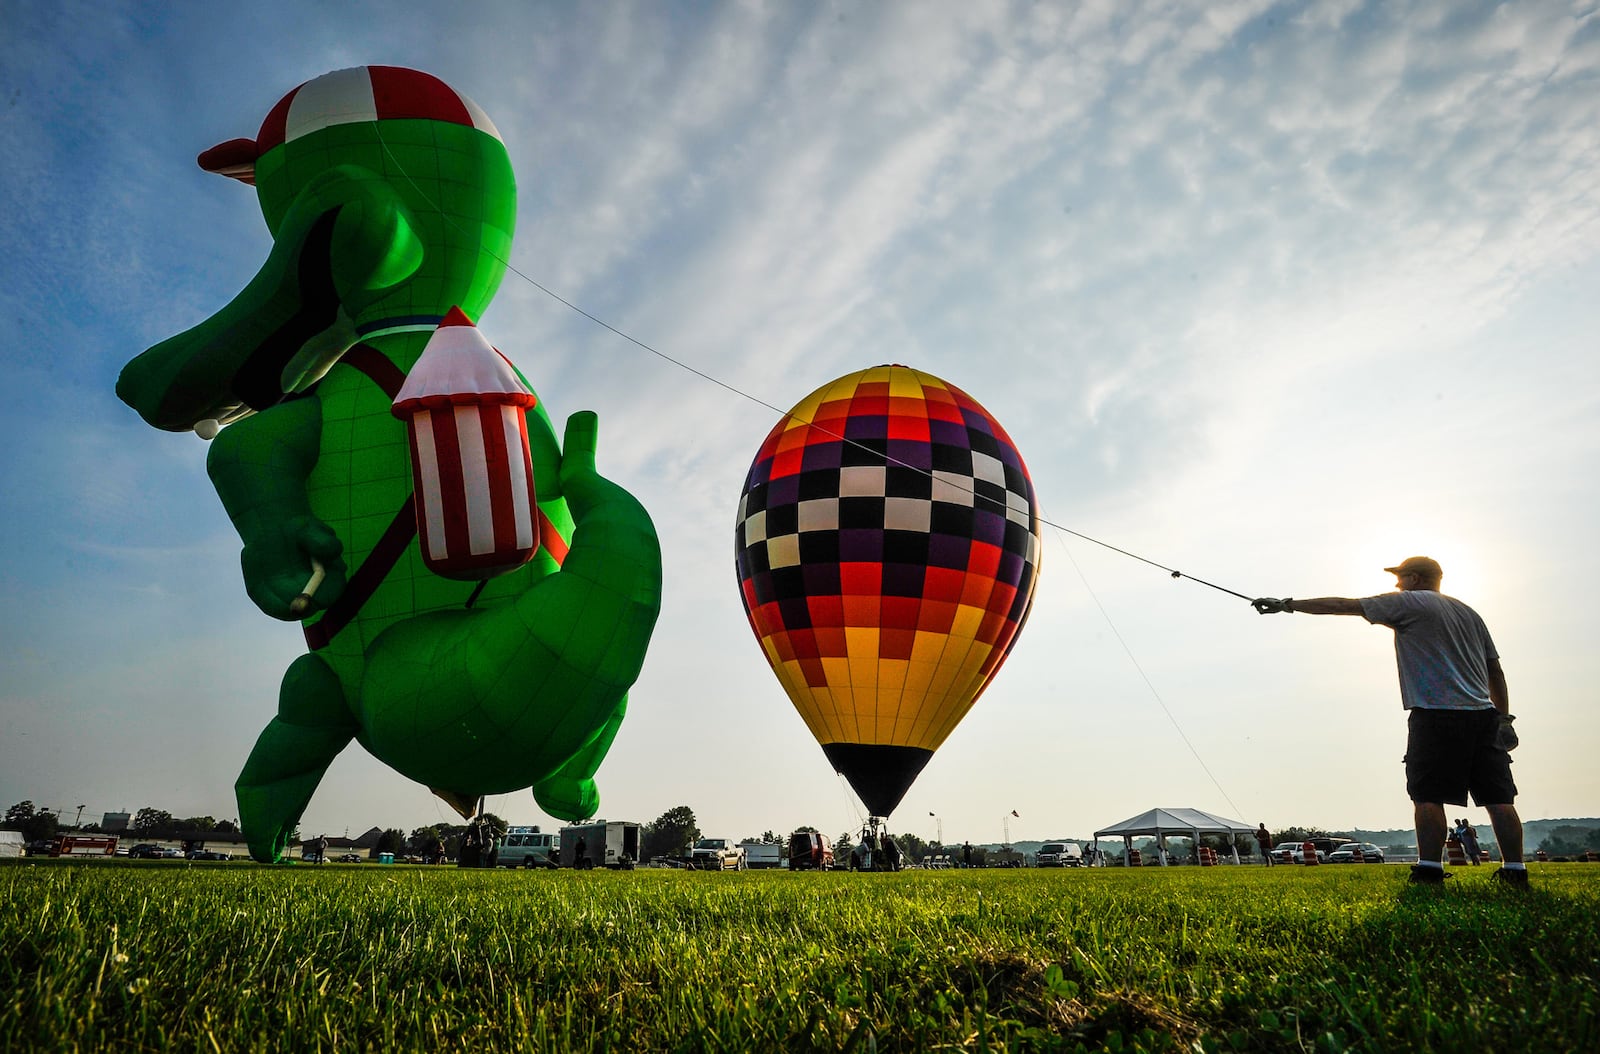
{"x": 670, "y": 835}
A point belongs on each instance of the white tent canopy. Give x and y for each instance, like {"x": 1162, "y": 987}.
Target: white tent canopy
{"x": 1185, "y": 823}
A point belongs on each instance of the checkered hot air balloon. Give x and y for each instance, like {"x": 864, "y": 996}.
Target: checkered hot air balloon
{"x": 464, "y": 407}
{"x": 887, "y": 546}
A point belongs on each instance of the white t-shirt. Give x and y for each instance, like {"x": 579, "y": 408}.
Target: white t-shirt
{"x": 1441, "y": 646}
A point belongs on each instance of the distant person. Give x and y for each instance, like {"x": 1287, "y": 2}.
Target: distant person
{"x": 322, "y": 849}
{"x": 1264, "y": 843}
{"x": 1469, "y": 842}
{"x": 966, "y": 854}
{"x": 580, "y": 852}
{"x": 1460, "y": 724}
{"x": 438, "y": 851}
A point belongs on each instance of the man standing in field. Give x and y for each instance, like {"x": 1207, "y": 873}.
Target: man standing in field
{"x": 1469, "y": 842}
{"x": 1451, "y": 683}
{"x": 1264, "y": 842}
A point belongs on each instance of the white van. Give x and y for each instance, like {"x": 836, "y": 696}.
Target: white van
{"x": 527, "y": 847}
{"x": 1060, "y": 854}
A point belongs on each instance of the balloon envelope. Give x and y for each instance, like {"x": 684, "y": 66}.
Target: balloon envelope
{"x": 887, "y": 546}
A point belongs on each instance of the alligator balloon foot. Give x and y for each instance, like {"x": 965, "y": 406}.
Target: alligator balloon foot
{"x": 290, "y": 757}
{"x": 567, "y": 798}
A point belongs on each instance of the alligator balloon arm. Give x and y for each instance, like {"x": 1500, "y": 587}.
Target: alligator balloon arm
{"x": 612, "y": 574}
{"x": 259, "y": 468}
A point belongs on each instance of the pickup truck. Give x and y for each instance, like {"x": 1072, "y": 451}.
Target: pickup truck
{"x": 1290, "y": 853}
{"x": 717, "y": 854}
{"x": 1060, "y": 854}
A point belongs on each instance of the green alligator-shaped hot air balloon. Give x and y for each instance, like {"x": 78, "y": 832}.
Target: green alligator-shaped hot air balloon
{"x": 391, "y": 201}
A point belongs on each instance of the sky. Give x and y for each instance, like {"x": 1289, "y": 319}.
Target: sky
{"x": 1274, "y": 294}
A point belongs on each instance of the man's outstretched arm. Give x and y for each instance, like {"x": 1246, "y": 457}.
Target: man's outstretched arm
{"x": 1319, "y": 606}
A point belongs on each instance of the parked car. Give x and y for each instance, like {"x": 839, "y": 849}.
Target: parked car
{"x": 1060, "y": 854}
{"x": 350, "y": 858}
{"x": 810, "y": 851}
{"x": 762, "y": 855}
{"x": 718, "y": 854}
{"x": 170, "y": 853}
{"x": 1289, "y": 853}
{"x": 144, "y": 851}
{"x": 208, "y": 854}
{"x": 1346, "y": 853}
{"x": 528, "y": 847}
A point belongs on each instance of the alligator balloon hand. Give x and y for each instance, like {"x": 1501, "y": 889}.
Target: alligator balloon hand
{"x": 391, "y": 201}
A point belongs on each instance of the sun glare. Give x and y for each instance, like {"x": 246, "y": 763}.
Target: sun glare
{"x": 1386, "y": 544}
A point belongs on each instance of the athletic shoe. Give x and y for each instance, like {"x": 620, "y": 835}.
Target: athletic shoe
{"x": 1511, "y": 879}
{"x": 1428, "y": 876}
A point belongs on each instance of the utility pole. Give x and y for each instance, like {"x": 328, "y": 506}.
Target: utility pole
{"x": 938, "y": 825}
{"x": 78, "y": 823}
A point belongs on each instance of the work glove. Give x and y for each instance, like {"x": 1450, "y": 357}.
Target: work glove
{"x": 1505, "y": 737}
{"x": 1269, "y": 606}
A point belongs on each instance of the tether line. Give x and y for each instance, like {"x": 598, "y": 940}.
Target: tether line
{"x": 603, "y": 324}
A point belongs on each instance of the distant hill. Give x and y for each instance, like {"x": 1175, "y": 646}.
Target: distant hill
{"x": 1533, "y": 832}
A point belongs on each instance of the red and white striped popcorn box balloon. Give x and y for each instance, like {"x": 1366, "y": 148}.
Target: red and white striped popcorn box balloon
{"x": 464, "y": 407}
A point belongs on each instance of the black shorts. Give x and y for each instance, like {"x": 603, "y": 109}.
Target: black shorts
{"x": 1451, "y": 752}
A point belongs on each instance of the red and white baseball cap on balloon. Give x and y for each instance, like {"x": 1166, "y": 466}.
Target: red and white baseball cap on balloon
{"x": 363, "y": 93}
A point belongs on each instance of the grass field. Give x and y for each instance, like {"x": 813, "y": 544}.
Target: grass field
{"x": 136, "y": 956}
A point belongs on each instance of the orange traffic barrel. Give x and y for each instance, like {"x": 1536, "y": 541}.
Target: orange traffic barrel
{"x": 1453, "y": 850}
{"x": 1308, "y": 854}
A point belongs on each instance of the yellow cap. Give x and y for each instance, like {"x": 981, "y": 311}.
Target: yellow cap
{"x": 1425, "y": 566}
